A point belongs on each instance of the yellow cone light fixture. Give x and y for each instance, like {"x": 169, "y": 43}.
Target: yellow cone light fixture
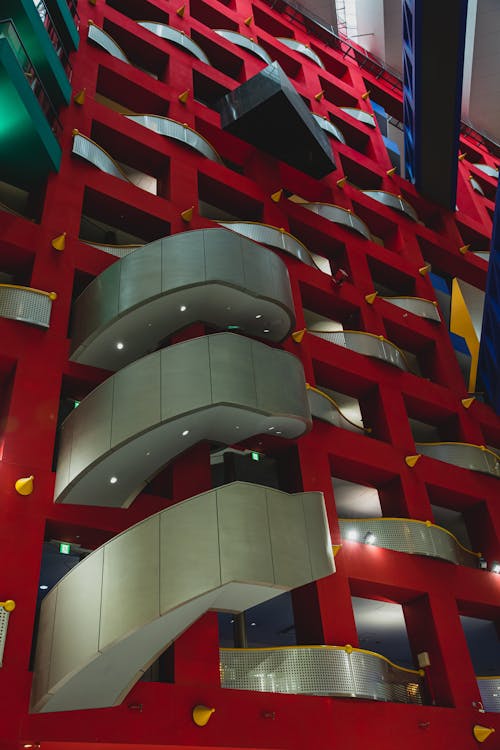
{"x": 202, "y": 715}
{"x": 24, "y": 485}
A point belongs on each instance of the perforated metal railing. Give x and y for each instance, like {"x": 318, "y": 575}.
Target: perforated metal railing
{"x": 25, "y": 304}
{"x": 410, "y": 536}
{"x": 365, "y": 343}
{"x": 320, "y": 670}
{"x": 466, "y": 455}
{"x": 489, "y": 687}
{"x": 245, "y": 43}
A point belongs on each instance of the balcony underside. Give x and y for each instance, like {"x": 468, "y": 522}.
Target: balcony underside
{"x": 28, "y": 148}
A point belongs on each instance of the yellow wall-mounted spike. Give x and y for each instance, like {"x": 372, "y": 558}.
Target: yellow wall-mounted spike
{"x": 391, "y": 172}
{"x": 92, "y": 2}
{"x": 9, "y": 605}
{"x": 59, "y": 242}
{"x": 366, "y": 95}
{"x": 461, "y": 157}
{"x": 481, "y": 733}
{"x": 464, "y": 249}
{"x": 467, "y": 402}
{"x": 248, "y": 21}
{"x": 187, "y": 215}
{"x": 180, "y": 11}
{"x": 276, "y": 197}
{"x": 319, "y": 96}
{"x": 24, "y": 486}
{"x": 425, "y": 269}
{"x": 80, "y": 97}
{"x": 336, "y": 548}
{"x": 297, "y": 336}
{"x": 370, "y": 298}
{"x": 341, "y": 182}
{"x": 412, "y": 460}
{"x": 202, "y": 714}
{"x": 184, "y": 96}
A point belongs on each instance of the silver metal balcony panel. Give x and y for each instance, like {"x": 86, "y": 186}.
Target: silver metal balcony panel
{"x": 421, "y": 307}
{"x": 208, "y": 275}
{"x": 111, "y": 616}
{"x": 489, "y": 687}
{"x": 473, "y": 457}
{"x": 339, "y": 216}
{"x": 329, "y": 127}
{"x": 175, "y": 37}
{"x": 319, "y": 671}
{"x": 178, "y": 132}
{"x": 273, "y": 236}
{"x": 393, "y": 201}
{"x": 26, "y": 305}
{"x": 90, "y": 151}
{"x": 302, "y": 49}
{"x": 360, "y": 115}
{"x": 103, "y": 39}
{"x": 245, "y": 43}
{"x": 366, "y": 344}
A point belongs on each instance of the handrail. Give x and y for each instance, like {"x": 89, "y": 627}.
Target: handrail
{"x": 372, "y": 335}
{"x": 364, "y": 231}
{"x": 32, "y": 76}
{"x": 242, "y": 41}
{"x": 301, "y": 49}
{"x": 136, "y": 117}
{"x": 403, "y": 206}
{"x": 53, "y": 34}
{"x": 336, "y": 406}
{"x": 470, "y": 445}
{"x": 428, "y": 524}
{"x": 77, "y": 134}
{"x": 177, "y": 37}
{"x": 347, "y": 648}
{"x": 393, "y": 300}
{"x": 51, "y": 295}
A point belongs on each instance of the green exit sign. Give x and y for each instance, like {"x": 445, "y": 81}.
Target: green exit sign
{"x": 255, "y": 456}
{"x": 64, "y": 548}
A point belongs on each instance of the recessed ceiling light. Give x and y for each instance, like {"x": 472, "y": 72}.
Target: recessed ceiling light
{"x": 266, "y": 330}
{"x": 270, "y": 428}
{"x": 353, "y": 534}
{"x": 253, "y": 624}
{"x": 236, "y": 427}
{"x": 43, "y": 587}
{"x": 278, "y": 432}
{"x": 183, "y": 308}
{"x": 185, "y": 432}
{"x": 113, "y": 480}
{"x": 120, "y": 345}
{"x": 258, "y": 317}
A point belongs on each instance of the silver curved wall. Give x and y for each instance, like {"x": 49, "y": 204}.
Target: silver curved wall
{"x": 339, "y": 216}
{"x": 329, "y": 127}
{"x": 26, "y": 305}
{"x": 364, "y": 343}
{"x": 87, "y": 149}
{"x": 222, "y": 388}
{"x": 113, "y": 614}
{"x": 360, "y": 114}
{"x": 178, "y": 132}
{"x": 321, "y": 670}
{"x": 302, "y": 49}
{"x": 273, "y": 236}
{"x": 468, "y": 456}
{"x": 490, "y": 171}
{"x": 412, "y": 537}
{"x": 176, "y": 37}
{"x": 392, "y": 201}
{"x": 489, "y": 687}
{"x": 245, "y": 43}
{"x": 103, "y": 39}
{"x": 424, "y": 308}
{"x": 219, "y": 277}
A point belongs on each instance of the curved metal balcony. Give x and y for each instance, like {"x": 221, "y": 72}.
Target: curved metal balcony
{"x": 323, "y": 406}
{"x": 89, "y": 150}
{"x": 119, "y": 251}
{"x": 178, "y": 132}
{"x": 104, "y": 40}
{"x": 340, "y": 215}
{"x": 466, "y": 455}
{"x": 176, "y": 37}
{"x": 279, "y": 238}
{"x": 302, "y": 49}
{"x": 483, "y": 255}
{"x": 476, "y": 186}
{"x": 206, "y": 275}
{"x": 26, "y": 304}
{"x": 320, "y": 670}
{"x": 393, "y": 201}
{"x": 490, "y": 171}
{"x": 230, "y": 549}
{"x": 245, "y": 43}
{"x": 365, "y": 343}
{"x": 360, "y": 115}
{"x": 489, "y": 687}
{"x": 221, "y": 387}
{"x": 329, "y": 127}
{"x": 423, "y": 308}
{"x": 410, "y": 536}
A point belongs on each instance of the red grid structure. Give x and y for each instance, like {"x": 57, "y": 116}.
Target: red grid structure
{"x": 35, "y": 370}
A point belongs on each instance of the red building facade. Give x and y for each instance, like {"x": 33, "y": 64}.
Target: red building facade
{"x": 412, "y": 377}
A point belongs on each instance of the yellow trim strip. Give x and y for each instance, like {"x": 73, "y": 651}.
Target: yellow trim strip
{"x": 345, "y": 210}
{"x": 347, "y": 649}
{"x": 470, "y": 445}
{"x": 337, "y": 407}
{"x": 106, "y": 154}
{"x": 366, "y": 333}
{"x": 493, "y": 677}
{"x": 170, "y": 119}
{"x": 51, "y": 295}
{"x": 107, "y": 244}
{"x": 412, "y": 520}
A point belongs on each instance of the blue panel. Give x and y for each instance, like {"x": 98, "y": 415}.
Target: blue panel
{"x": 489, "y": 353}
